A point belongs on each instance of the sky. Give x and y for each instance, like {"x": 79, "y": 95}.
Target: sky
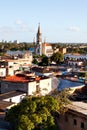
{"x": 60, "y": 20}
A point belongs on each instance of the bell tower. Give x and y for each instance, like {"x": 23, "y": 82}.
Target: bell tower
{"x": 39, "y": 35}
{"x": 38, "y": 49}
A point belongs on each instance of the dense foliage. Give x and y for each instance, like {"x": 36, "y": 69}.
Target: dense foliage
{"x": 57, "y": 57}
{"x": 35, "y": 113}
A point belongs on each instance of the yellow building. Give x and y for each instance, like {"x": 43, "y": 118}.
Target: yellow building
{"x": 47, "y": 49}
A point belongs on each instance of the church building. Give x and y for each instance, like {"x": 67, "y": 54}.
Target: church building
{"x": 42, "y": 48}
{"x": 38, "y": 44}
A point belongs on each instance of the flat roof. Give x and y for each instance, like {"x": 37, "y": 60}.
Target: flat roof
{"x": 80, "y": 107}
{"x": 4, "y": 105}
{"x": 10, "y": 94}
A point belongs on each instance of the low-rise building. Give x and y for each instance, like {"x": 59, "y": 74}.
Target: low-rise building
{"x": 30, "y": 85}
{"x": 62, "y": 50}
{"x": 13, "y": 96}
{"x": 9, "y": 66}
{"x": 75, "y": 57}
{"x": 47, "y": 49}
{"x": 42, "y": 71}
{"x": 75, "y": 63}
{"x": 75, "y": 118}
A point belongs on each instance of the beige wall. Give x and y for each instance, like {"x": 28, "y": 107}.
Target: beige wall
{"x": 72, "y": 121}
{"x": 47, "y": 50}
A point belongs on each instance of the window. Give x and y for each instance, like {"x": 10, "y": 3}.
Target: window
{"x": 82, "y": 124}
{"x": 75, "y": 122}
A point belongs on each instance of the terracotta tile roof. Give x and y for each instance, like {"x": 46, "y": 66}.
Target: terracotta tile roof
{"x": 16, "y": 79}
{"x": 23, "y": 79}
{"x": 46, "y": 44}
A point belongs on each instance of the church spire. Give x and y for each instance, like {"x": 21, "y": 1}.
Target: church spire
{"x": 39, "y": 41}
{"x": 38, "y": 28}
{"x": 39, "y": 35}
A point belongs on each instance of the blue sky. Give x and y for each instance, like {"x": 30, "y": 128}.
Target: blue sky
{"x": 60, "y": 20}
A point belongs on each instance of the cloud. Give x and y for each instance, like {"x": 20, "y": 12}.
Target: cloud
{"x": 19, "y": 22}
{"x": 22, "y": 26}
{"x": 74, "y": 28}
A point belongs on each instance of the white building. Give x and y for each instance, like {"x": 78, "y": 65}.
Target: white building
{"x": 13, "y": 96}
{"x": 75, "y": 57}
{"x": 30, "y": 85}
{"x": 47, "y": 49}
{"x": 75, "y": 63}
{"x": 9, "y": 66}
{"x": 42, "y": 48}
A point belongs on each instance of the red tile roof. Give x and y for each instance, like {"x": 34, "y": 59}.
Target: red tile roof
{"x": 16, "y": 79}
{"x": 46, "y": 44}
{"x": 21, "y": 78}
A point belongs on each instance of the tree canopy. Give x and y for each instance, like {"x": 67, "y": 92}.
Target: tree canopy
{"x": 57, "y": 57}
{"x": 44, "y": 61}
{"x": 35, "y": 113}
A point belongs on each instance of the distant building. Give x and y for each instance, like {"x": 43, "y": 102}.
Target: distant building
{"x": 16, "y": 41}
{"x": 45, "y": 48}
{"x": 9, "y": 66}
{"x": 75, "y": 57}
{"x": 62, "y": 50}
{"x": 38, "y": 44}
{"x": 42, "y": 48}
{"x": 74, "y": 63}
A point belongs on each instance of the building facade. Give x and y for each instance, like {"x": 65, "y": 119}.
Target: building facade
{"x": 30, "y": 85}
{"x": 42, "y": 48}
{"x": 38, "y": 44}
{"x": 75, "y": 118}
{"x": 9, "y": 66}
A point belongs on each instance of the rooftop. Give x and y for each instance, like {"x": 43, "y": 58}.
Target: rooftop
{"x": 41, "y": 69}
{"x": 10, "y": 94}
{"x": 80, "y": 107}
{"x": 46, "y": 44}
{"x": 23, "y": 78}
{"x": 16, "y": 79}
{"x": 4, "y": 105}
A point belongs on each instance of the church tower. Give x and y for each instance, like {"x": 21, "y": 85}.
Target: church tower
{"x": 38, "y": 48}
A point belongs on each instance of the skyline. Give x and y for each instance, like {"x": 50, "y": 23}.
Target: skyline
{"x": 60, "y": 21}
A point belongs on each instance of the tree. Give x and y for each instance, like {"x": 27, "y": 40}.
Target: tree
{"x": 57, "y": 57}
{"x": 34, "y": 113}
{"x": 35, "y": 61}
{"x": 44, "y": 61}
